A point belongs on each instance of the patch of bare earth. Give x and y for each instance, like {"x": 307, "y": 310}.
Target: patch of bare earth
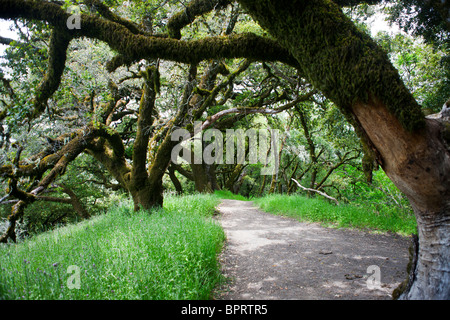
{"x": 270, "y": 257}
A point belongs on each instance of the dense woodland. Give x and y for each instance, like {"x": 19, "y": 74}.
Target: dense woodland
{"x": 91, "y": 92}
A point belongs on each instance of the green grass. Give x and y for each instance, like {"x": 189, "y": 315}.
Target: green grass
{"x": 225, "y": 194}
{"x": 168, "y": 254}
{"x": 344, "y": 215}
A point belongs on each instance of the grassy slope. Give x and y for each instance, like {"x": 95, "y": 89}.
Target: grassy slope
{"x": 319, "y": 210}
{"x": 169, "y": 254}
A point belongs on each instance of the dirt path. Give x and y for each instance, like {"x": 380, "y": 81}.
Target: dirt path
{"x": 271, "y": 257}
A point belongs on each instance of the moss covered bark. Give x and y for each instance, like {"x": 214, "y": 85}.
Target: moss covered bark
{"x": 137, "y": 46}
{"x": 340, "y": 60}
{"x": 59, "y": 43}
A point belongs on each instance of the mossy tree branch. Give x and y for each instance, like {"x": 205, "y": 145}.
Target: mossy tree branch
{"x": 346, "y": 66}
{"x": 73, "y": 200}
{"x": 174, "y": 179}
{"x": 61, "y": 159}
{"x": 254, "y": 110}
{"x": 136, "y": 47}
{"x": 207, "y": 84}
{"x": 59, "y": 43}
{"x": 36, "y": 165}
{"x": 62, "y": 151}
{"x": 6, "y": 41}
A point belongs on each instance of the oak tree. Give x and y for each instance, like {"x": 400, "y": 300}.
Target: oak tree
{"x": 327, "y": 49}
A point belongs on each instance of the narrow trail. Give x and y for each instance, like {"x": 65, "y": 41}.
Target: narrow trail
{"x": 272, "y": 257}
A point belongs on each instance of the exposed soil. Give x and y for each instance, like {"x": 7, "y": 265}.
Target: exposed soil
{"x": 272, "y": 257}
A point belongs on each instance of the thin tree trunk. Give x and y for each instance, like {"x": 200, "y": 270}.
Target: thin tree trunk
{"x": 289, "y": 182}
{"x": 75, "y": 202}
{"x": 229, "y": 185}
{"x": 311, "y": 148}
{"x": 175, "y": 181}
{"x": 273, "y": 183}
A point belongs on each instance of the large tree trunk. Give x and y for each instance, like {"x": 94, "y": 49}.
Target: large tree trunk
{"x": 431, "y": 276}
{"x": 144, "y": 181}
{"x": 204, "y": 177}
{"x": 148, "y": 197}
{"x": 351, "y": 70}
{"x": 419, "y": 164}
{"x": 200, "y": 178}
{"x": 174, "y": 179}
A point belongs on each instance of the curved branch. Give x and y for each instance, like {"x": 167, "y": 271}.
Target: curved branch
{"x": 61, "y": 159}
{"x": 75, "y": 202}
{"x": 183, "y": 171}
{"x": 39, "y": 163}
{"x": 119, "y": 61}
{"x": 110, "y": 151}
{"x": 68, "y": 153}
{"x": 59, "y": 43}
{"x": 253, "y": 110}
{"x": 215, "y": 91}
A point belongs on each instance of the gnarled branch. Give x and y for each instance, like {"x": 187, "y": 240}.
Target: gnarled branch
{"x": 136, "y": 46}
{"x": 252, "y": 110}
{"x": 59, "y": 42}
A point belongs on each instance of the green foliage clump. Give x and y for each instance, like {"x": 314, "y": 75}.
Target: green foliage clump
{"x": 423, "y": 68}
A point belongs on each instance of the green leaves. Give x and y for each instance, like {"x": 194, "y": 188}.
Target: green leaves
{"x": 422, "y": 67}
